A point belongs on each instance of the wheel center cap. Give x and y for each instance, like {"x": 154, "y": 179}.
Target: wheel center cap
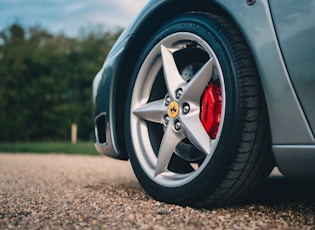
{"x": 173, "y": 109}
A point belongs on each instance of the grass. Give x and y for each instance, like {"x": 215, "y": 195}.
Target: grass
{"x": 83, "y": 148}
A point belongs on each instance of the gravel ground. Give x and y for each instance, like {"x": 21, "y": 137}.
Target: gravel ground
{"x": 94, "y": 192}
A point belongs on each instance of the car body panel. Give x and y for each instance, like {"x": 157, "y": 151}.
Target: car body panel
{"x": 289, "y": 125}
{"x": 256, "y": 25}
{"x": 103, "y": 87}
{"x": 292, "y": 137}
{"x": 294, "y": 24}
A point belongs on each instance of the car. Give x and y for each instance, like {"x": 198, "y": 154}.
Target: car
{"x": 206, "y": 97}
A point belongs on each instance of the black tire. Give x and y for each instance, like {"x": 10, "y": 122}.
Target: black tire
{"x": 239, "y": 158}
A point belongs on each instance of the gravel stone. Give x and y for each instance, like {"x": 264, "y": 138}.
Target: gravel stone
{"x": 94, "y": 192}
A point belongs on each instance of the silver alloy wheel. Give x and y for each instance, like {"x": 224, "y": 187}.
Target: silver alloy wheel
{"x": 177, "y": 112}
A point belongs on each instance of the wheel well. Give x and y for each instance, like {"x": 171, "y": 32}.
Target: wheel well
{"x": 143, "y": 33}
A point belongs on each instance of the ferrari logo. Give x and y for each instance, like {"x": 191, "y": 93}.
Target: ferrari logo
{"x": 173, "y": 109}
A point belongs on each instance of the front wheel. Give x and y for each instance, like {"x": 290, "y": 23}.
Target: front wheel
{"x": 196, "y": 123}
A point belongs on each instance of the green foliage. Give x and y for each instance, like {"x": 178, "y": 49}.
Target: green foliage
{"x": 46, "y": 82}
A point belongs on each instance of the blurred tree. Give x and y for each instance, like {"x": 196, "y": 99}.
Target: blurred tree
{"x": 45, "y": 82}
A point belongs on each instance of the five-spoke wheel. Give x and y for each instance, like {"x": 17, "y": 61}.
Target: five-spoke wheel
{"x": 185, "y": 117}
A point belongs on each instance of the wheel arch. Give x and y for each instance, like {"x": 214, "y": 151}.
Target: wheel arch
{"x": 145, "y": 27}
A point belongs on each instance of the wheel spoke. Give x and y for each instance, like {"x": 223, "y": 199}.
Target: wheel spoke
{"x": 196, "y": 133}
{"x": 153, "y": 111}
{"x": 172, "y": 77}
{"x": 167, "y": 148}
{"x": 199, "y": 81}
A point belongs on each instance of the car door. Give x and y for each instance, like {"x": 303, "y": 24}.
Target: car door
{"x": 295, "y": 28}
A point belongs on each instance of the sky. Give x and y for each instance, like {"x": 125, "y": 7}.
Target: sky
{"x": 68, "y": 16}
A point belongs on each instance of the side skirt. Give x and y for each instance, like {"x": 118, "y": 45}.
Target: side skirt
{"x": 295, "y": 161}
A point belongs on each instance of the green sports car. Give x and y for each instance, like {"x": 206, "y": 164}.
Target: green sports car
{"x": 205, "y": 97}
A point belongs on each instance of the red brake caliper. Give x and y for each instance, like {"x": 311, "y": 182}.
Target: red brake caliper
{"x": 211, "y": 108}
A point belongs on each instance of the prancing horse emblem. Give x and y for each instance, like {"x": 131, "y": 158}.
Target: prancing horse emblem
{"x": 173, "y": 109}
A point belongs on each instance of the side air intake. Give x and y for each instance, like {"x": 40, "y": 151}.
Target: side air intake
{"x": 100, "y": 128}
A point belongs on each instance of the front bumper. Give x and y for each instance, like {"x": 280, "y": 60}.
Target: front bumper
{"x": 103, "y": 100}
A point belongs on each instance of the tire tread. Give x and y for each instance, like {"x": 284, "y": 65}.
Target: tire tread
{"x": 253, "y": 161}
